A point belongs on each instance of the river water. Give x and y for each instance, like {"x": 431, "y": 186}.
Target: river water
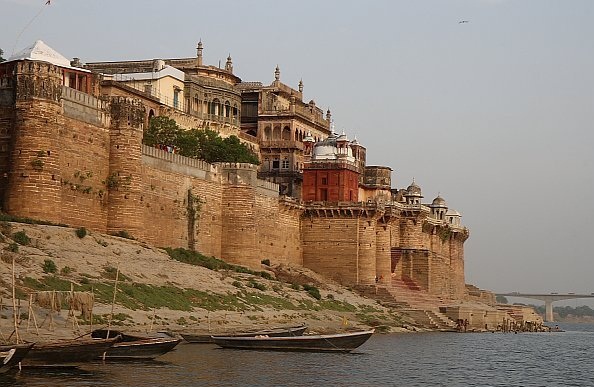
{"x": 414, "y": 359}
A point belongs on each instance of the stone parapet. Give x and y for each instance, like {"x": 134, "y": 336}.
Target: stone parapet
{"x": 85, "y": 107}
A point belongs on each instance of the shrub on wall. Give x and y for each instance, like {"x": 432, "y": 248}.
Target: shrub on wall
{"x": 21, "y": 238}
{"x": 49, "y": 266}
{"x": 81, "y": 232}
{"x": 312, "y": 291}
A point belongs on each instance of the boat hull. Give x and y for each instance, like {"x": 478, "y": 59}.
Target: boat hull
{"x": 141, "y": 349}
{"x": 64, "y": 353}
{"x": 11, "y": 355}
{"x": 134, "y": 346}
{"x": 345, "y": 342}
{"x": 275, "y": 332}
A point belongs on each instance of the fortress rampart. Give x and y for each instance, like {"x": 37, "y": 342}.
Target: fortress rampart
{"x": 68, "y": 157}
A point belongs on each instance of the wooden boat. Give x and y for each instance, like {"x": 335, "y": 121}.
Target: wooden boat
{"x": 67, "y": 352}
{"x": 135, "y": 347}
{"x": 273, "y": 332}
{"x": 11, "y": 355}
{"x": 342, "y": 342}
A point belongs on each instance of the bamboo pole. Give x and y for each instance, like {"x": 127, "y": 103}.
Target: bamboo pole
{"x": 1, "y": 308}
{"x": 32, "y": 314}
{"x": 91, "y": 316}
{"x": 115, "y": 289}
{"x": 152, "y": 321}
{"x": 51, "y": 314}
{"x": 14, "y": 309}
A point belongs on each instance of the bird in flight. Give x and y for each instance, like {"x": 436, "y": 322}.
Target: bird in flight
{"x": 463, "y": 21}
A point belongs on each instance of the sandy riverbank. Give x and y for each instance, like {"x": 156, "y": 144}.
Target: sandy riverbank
{"x": 83, "y": 260}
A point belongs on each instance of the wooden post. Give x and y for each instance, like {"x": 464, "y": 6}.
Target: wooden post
{"x": 1, "y": 308}
{"x": 51, "y": 314}
{"x": 32, "y": 314}
{"x": 14, "y": 309}
{"x": 91, "y": 317}
{"x": 115, "y": 289}
{"x": 152, "y": 321}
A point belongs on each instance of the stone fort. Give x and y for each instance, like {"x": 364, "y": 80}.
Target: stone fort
{"x": 71, "y": 152}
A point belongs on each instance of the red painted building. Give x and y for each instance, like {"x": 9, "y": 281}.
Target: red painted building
{"x": 332, "y": 172}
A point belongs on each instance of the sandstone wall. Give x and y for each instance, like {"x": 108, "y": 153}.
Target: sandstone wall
{"x": 84, "y": 167}
{"x": 6, "y": 124}
{"x": 330, "y": 246}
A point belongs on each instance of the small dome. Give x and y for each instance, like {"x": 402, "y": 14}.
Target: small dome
{"x": 308, "y": 138}
{"x": 327, "y": 149}
{"x": 413, "y": 189}
{"x": 439, "y": 202}
{"x": 342, "y": 137}
{"x": 453, "y": 213}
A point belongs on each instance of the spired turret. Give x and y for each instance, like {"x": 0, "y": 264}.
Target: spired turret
{"x": 413, "y": 194}
{"x": 34, "y": 179}
{"x": 125, "y": 166}
{"x": 438, "y": 208}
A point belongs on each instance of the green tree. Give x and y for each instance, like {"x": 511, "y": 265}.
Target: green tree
{"x": 161, "y": 131}
{"x": 204, "y": 144}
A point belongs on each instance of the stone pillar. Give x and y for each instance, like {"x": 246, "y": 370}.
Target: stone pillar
{"x": 33, "y": 181}
{"x": 125, "y": 164}
{"x": 549, "y": 311}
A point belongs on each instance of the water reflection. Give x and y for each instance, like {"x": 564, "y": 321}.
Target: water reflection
{"x": 432, "y": 359}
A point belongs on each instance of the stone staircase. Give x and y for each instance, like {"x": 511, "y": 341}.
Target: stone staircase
{"x": 408, "y": 298}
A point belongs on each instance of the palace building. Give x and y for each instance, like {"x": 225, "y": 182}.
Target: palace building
{"x": 71, "y": 152}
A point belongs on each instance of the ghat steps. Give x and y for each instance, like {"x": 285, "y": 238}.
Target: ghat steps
{"x": 407, "y": 297}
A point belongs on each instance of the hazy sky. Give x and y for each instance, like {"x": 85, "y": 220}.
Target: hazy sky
{"x": 496, "y": 114}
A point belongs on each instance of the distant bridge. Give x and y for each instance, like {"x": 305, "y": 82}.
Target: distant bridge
{"x": 548, "y": 299}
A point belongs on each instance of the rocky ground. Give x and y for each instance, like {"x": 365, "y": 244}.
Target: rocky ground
{"x": 156, "y": 292}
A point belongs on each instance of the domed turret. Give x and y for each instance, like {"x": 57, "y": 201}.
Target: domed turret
{"x": 332, "y": 148}
{"x": 438, "y": 208}
{"x": 413, "y": 194}
{"x": 453, "y": 217}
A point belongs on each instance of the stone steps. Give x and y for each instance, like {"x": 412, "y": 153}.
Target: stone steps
{"x": 422, "y": 307}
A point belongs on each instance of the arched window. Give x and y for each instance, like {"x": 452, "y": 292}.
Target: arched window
{"x": 196, "y": 105}
{"x": 227, "y": 109}
{"x": 276, "y": 132}
{"x": 216, "y": 107}
{"x": 267, "y": 133}
{"x": 286, "y": 133}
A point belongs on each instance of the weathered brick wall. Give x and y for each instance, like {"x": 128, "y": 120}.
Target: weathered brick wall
{"x": 383, "y": 232}
{"x": 330, "y": 246}
{"x": 278, "y": 231}
{"x": 84, "y": 167}
{"x": 164, "y": 200}
{"x": 34, "y": 180}
{"x": 411, "y": 235}
{"x": 239, "y": 243}
{"x": 6, "y": 124}
{"x": 124, "y": 180}
{"x": 367, "y": 249}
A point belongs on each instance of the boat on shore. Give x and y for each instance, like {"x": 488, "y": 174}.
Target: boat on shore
{"x": 135, "y": 347}
{"x": 341, "y": 342}
{"x": 273, "y": 332}
{"x": 67, "y": 352}
{"x": 11, "y": 355}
